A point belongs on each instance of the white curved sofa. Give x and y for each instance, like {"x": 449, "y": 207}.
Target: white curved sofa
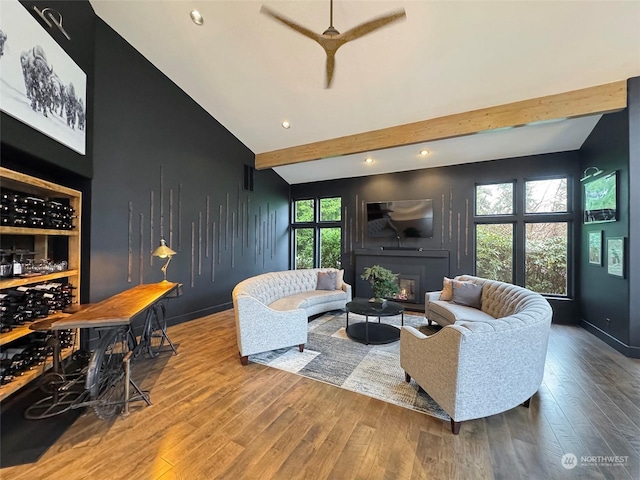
{"x": 484, "y": 361}
{"x": 272, "y": 309}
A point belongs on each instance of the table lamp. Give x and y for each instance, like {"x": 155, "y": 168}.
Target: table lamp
{"x": 163, "y": 252}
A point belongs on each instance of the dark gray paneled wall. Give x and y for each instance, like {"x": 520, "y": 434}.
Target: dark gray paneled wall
{"x": 151, "y": 144}
{"x": 452, "y": 191}
{"x": 610, "y": 306}
{"x": 162, "y": 165}
{"x": 604, "y": 299}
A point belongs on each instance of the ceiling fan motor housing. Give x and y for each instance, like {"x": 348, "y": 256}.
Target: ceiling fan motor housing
{"x": 331, "y": 31}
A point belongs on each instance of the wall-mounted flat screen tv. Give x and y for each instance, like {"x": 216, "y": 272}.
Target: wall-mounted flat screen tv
{"x": 601, "y": 199}
{"x": 400, "y": 219}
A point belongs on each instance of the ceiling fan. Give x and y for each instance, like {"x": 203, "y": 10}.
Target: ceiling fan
{"x": 331, "y": 39}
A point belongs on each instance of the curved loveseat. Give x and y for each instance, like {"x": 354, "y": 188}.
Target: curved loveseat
{"x": 272, "y": 309}
{"x": 484, "y": 360}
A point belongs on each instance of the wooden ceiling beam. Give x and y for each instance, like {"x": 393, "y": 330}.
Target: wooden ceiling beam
{"x": 577, "y": 103}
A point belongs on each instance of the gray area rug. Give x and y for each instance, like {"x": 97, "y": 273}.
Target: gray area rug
{"x": 373, "y": 370}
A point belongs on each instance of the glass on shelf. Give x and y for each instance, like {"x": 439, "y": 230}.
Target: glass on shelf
{"x": 27, "y": 267}
{"x": 42, "y": 267}
{"x": 46, "y": 266}
{"x": 6, "y": 269}
{"x": 62, "y": 266}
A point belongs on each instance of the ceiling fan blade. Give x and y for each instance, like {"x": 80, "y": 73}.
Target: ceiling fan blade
{"x": 371, "y": 25}
{"x": 331, "y": 40}
{"x": 291, "y": 24}
{"x": 331, "y": 65}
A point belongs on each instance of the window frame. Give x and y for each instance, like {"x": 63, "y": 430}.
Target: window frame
{"x": 569, "y": 209}
{"x": 495, "y": 215}
{"x": 317, "y": 225}
{"x": 520, "y": 219}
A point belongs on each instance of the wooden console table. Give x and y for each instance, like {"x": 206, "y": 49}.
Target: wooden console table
{"x": 114, "y": 315}
{"x": 121, "y": 308}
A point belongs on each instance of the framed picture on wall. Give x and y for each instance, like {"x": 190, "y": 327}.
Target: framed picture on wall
{"x": 601, "y": 199}
{"x": 595, "y": 248}
{"x": 615, "y": 256}
{"x": 40, "y": 85}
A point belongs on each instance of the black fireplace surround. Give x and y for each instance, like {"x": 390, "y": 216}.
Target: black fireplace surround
{"x": 425, "y": 267}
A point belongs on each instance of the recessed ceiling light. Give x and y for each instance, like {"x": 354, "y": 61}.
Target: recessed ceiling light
{"x": 286, "y": 124}
{"x": 424, "y": 152}
{"x": 368, "y": 160}
{"x": 196, "y": 17}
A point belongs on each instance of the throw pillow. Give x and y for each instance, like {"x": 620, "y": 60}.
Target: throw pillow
{"x": 327, "y": 280}
{"x": 469, "y": 294}
{"x": 339, "y": 279}
{"x": 447, "y": 289}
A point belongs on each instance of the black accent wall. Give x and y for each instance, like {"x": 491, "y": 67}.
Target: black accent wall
{"x": 452, "y": 191}
{"x": 160, "y": 166}
{"x": 610, "y": 306}
{"x": 164, "y": 167}
{"x": 605, "y": 299}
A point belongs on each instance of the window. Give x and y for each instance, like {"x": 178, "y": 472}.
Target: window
{"x": 330, "y": 209}
{"x": 330, "y": 239}
{"x": 546, "y": 243}
{"x": 317, "y": 233}
{"x": 546, "y": 257}
{"x": 546, "y": 196}
{"x": 303, "y": 211}
{"x": 540, "y": 233}
{"x": 303, "y": 247}
{"x": 494, "y": 251}
{"x": 496, "y": 199}
{"x": 494, "y": 241}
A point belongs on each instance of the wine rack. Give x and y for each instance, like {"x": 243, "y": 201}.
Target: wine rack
{"x": 38, "y": 211}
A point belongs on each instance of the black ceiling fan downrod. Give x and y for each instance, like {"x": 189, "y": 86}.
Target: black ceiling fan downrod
{"x": 331, "y": 31}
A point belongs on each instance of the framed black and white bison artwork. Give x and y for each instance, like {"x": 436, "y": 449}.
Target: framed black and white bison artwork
{"x": 40, "y": 84}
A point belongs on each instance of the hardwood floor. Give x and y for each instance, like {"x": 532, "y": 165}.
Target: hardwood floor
{"x": 213, "y": 418}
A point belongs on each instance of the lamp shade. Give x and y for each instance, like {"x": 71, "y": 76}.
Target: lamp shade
{"x": 163, "y": 251}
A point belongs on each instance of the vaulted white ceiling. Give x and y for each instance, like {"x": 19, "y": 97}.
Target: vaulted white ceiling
{"x": 251, "y": 72}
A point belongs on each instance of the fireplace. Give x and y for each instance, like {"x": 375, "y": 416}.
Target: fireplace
{"x": 409, "y": 286}
{"x": 419, "y": 271}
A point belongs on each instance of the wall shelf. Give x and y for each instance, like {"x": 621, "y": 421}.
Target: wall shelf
{"x": 19, "y": 281}
{"x": 30, "y": 375}
{"x": 24, "y": 330}
{"x": 29, "y": 185}
{"x": 38, "y": 231}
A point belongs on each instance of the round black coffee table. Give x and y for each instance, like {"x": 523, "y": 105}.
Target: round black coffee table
{"x": 370, "y": 332}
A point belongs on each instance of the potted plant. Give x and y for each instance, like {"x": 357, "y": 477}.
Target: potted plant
{"x": 383, "y": 282}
